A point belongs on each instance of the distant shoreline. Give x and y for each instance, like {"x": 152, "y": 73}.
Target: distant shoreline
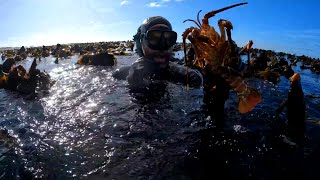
{"x": 14, "y": 48}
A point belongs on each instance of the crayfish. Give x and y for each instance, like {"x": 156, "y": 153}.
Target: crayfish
{"x": 217, "y": 54}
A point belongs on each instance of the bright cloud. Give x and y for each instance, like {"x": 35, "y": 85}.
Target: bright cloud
{"x": 154, "y": 4}
{"x": 161, "y": 3}
{"x": 124, "y": 3}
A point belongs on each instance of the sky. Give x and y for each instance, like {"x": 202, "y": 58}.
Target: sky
{"x": 281, "y": 25}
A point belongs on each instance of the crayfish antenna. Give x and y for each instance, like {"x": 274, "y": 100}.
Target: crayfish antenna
{"x": 198, "y": 18}
{"x": 212, "y": 13}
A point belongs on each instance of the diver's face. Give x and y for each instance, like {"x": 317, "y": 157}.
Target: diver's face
{"x": 158, "y": 56}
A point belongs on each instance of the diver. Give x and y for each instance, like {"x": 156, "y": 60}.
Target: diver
{"x": 154, "y": 41}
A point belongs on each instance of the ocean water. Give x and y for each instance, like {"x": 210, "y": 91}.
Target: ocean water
{"x": 91, "y": 126}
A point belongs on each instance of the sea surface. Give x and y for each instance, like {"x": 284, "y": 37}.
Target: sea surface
{"x": 91, "y": 126}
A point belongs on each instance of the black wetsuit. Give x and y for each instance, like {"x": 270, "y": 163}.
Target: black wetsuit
{"x": 144, "y": 71}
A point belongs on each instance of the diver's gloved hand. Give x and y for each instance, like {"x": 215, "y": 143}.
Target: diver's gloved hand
{"x": 195, "y": 78}
{"x": 121, "y": 73}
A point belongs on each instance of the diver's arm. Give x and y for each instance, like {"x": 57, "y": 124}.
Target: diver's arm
{"x": 122, "y": 73}
{"x": 183, "y": 75}
{"x": 137, "y": 77}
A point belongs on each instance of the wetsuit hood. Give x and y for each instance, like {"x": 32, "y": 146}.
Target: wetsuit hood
{"x": 151, "y": 21}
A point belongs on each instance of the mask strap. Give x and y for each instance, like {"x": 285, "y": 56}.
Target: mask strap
{"x": 138, "y": 40}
